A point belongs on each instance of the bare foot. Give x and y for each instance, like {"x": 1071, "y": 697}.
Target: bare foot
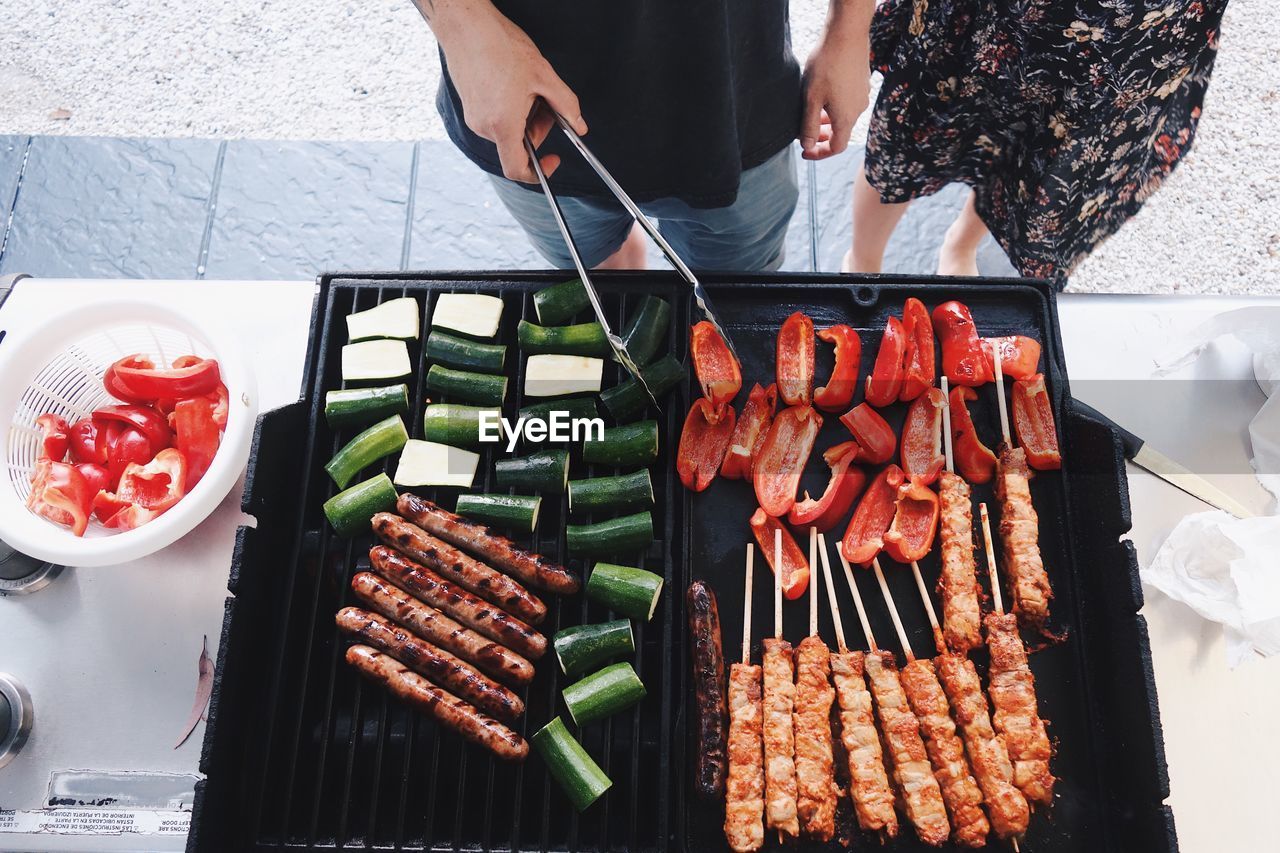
{"x": 959, "y": 253}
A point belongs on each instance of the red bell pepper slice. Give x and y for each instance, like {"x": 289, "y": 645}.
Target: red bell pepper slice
{"x": 1019, "y": 356}
{"x": 885, "y": 382}
{"x": 106, "y": 505}
{"x": 846, "y": 483}
{"x": 875, "y": 437}
{"x": 83, "y": 442}
{"x": 922, "y": 457}
{"x": 794, "y": 363}
{"x": 703, "y": 442}
{"x": 749, "y": 432}
{"x": 135, "y": 379}
{"x": 919, "y": 374}
{"x": 95, "y": 476}
{"x": 718, "y": 371}
{"x": 125, "y": 446}
{"x": 145, "y": 491}
{"x": 59, "y": 493}
{"x": 781, "y": 459}
{"x": 56, "y": 438}
{"x": 197, "y": 435}
{"x": 838, "y": 392}
{"x": 973, "y": 459}
{"x": 915, "y": 521}
{"x": 1033, "y": 422}
{"x": 963, "y": 360}
{"x": 145, "y": 419}
{"x": 864, "y": 538}
{"x": 795, "y": 567}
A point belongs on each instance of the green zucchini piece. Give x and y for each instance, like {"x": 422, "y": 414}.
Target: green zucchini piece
{"x": 627, "y": 400}
{"x": 577, "y": 773}
{"x": 625, "y": 446}
{"x": 350, "y": 511}
{"x": 351, "y": 406}
{"x": 623, "y": 492}
{"x": 482, "y": 388}
{"x": 626, "y": 590}
{"x": 453, "y": 351}
{"x": 545, "y": 471}
{"x": 579, "y": 339}
{"x": 515, "y": 512}
{"x": 603, "y": 694}
{"x": 560, "y": 303}
{"x": 380, "y": 440}
{"x": 456, "y": 424}
{"x": 627, "y": 533}
{"x": 646, "y": 329}
{"x": 582, "y": 647}
{"x": 395, "y": 318}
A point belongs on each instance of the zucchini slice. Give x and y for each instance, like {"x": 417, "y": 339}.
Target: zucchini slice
{"x": 453, "y": 351}
{"x": 614, "y": 536}
{"x": 381, "y": 359}
{"x": 560, "y": 303}
{"x": 546, "y": 471}
{"x": 378, "y": 441}
{"x": 352, "y": 406}
{"x": 474, "y": 314}
{"x": 646, "y": 329}
{"x": 429, "y": 463}
{"x": 603, "y": 694}
{"x": 514, "y": 512}
{"x": 581, "y": 339}
{"x": 350, "y": 511}
{"x": 485, "y": 389}
{"x": 626, "y": 590}
{"x": 459, "y": 425}
{"x": 395, "y": 318}
{"x": 577, "y": 773}
{"x": 582, "y": 647}
{"x": 627, "y": 399}
{"x": 562, "y": 375}
{"x": 625, "y": 446}
{"x": 623, "y": 492}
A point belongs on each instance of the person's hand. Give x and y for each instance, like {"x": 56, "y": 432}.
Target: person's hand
{"x": 837, "y": 80}
{"x": 506, "y": 86}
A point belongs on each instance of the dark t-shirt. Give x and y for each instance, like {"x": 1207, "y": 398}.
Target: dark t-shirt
{"x": 680, "y": 96}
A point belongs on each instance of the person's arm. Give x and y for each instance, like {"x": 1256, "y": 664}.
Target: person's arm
{"x": 499, "y": 74}
{"x": 837, "y": 79}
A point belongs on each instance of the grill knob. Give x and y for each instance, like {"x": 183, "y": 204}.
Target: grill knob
{"x": 15, "y": 717}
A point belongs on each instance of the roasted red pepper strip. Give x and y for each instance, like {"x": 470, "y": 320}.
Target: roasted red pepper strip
{"x": 915, "y": 521}
{"x": 145, "y": 419}
{"x": 794, "y": 362}
{"x": 135, "y": 379}
{"x": 749, "y": 432}
{"x": 963, "y": 360}
{"x": 846, "y": 483}
{"x": 885, "y": 382}
{"x": 1019, "y": 356}
{"x": 838, "y": 392}
{"x": 59, "y": 493}
{"x": 1033, "y": 422}
{"x": 864, "y": 537}
{"x": 718, "y": 371}
{"x": 703, "y": 441}
{"x": 922, "y": 458}
{"x": 919, "y": 373}
{"x": 56, "y": 437}
{"x": 197, "y": 436}
{"x": 973, "y": 459}
{"x": 795, "y": 573}
{"x": 872, "y": 432}
{"x": 781, "y": 459}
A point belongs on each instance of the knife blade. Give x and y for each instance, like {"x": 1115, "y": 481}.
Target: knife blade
{"x": 616, "y": 343}
{"x": 1137, "y": 451}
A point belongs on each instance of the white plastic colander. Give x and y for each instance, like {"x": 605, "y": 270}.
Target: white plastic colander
{"x": 58, "y": 368}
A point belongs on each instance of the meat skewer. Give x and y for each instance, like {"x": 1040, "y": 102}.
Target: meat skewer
{"x": 779, "y": 705}
{"x": 911, "y": 770}
{"x": 815, "y": 776}
{"x": 960, "y": 791}
{"x": 1013, "y": 694}
{"x": 744, "y": 787}
{"x": 868, "y": 782}
{"x": 958, "y": 584}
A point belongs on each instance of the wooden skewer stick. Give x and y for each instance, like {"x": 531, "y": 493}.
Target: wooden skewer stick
{"x": 991, "y": 558}
{"x": 813, "y": 581}
{"x": 857, "y": 601}
{"x": 938, "y": 640}
{"x": 777, "y": 583}
{"x": 893, "y": 610}
{"x": 1004, "y": 407}
{"x": 831, "y": 593}
{"x": 946, "y": 428}
{"x": 746, "y": 604}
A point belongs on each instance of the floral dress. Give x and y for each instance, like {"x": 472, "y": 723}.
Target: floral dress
{"x": 1063, "y": 115}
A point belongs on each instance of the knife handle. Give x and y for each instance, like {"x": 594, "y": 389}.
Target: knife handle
{"x": 1131, "y": 443}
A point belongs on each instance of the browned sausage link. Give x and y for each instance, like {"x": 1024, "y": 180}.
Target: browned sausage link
{"x": 493, "y": 548}
{"x": 453, "y": 565}
{"x": 709, "y": 688}
{"x": 436, "y": 664}
{"x": 446, "y": 709}
{"x": 432, "y": 625}
{"x": 475, "y": 613}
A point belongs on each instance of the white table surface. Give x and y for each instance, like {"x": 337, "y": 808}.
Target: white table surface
{"x": 1218, "y": 723}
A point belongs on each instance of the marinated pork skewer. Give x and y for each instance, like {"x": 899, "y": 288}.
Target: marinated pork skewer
{"x": 911, "y": 770}
{"x": 1013, "y": 694}
{"x": 779, "y": 705}
{"x": 958, "y": 584}
{"x": 744, "y": 787}
{"x": 815, "y": 777}
{"x": 868, "y": 782}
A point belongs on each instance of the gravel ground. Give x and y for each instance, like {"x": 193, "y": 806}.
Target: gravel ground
{"x": 336, "y": 69}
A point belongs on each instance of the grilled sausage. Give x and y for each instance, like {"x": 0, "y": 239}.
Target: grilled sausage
{"x": 453, "y": 565}
{"x": 432, "y": 625}
{"x": 744, "y": 789}
{"x": 493, "y": 548}
{"x": 475, "y": 613}
{"x": 709, "y": 688}
{"x": 436, "y": 664}
{"x": 446, "y": 709}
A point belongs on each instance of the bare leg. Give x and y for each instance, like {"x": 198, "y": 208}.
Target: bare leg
{"x": 630, "y": 255}
{"x": 873, "y": 224}
{"x": 959, "y": 254}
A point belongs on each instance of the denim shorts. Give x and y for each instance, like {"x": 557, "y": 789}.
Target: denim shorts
{"x": 747, "y": 236}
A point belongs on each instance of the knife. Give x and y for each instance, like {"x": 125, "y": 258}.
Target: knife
{"x": 1137, "y": 451}
{"x": 616, "y": 343}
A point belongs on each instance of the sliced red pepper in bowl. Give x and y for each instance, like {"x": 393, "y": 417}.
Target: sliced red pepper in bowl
{"x": 1019, "y": 356}
{"x": 145, "y": 419}
{"x": 864, "y": 537}
{"x": 846, "y": 483}
{"x": 718, "y": 371}
{"x": 1033, "y": 422}
{"x": 922, "y": 457}
{"x": 838, "y": 392}
{"x": 125, "y": 446}
{"x": 963, "y": 360}
{"x": 915, "y": 521}
{"x": 973, "y": 459}
{"x": 872, "y": 432}
{"x": 794, "y": 364}
{"x": 83, "y": 442}
{"x": 55, "y": 437}
{"x": 145, "y": 491}
{"x": 749, "y": 432}
{"x": 703, "y": 441}
{"x": 781, "y": 459}
{"x": 197, "y": 435}
{"x": 60, "y": 493}
{"x": 95, "y": 476}
{"x": 918, "y": 364}
{"x": 135, "y": 379}
{"x": 795, "y": 567}
{"x": 885, "y": 382}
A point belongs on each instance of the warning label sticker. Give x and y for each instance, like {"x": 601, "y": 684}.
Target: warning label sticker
{"x": 84, "y": 821}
